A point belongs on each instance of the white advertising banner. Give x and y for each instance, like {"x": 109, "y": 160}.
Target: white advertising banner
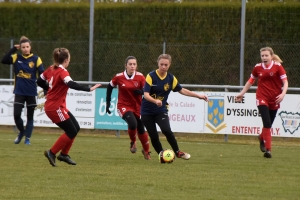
{"x": 225, "y": 116}
{"x": 81, "y": 104}
{"x": 186, "y": 114}
{"x": 221, "y": 115}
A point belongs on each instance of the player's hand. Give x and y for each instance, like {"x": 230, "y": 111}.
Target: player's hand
{"x": 17, "y": 46}
{"x": 94, "y": 87}
{"x": 107, "y": 107}
{"x": 138, "y": 92}
{"x": 239, "y": 98}
{"x": 279, "y": 98}
{"x": 158, "y": 103}
{"x": 204, "y": 97}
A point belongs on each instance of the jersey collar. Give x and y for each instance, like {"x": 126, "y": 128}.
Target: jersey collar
{"x": 127, "y": 77}
{"x": 27, "y": 56}
{"x": 268, "y": 67}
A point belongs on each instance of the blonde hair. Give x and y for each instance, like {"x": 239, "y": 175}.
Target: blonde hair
{"x": 275, "y": 57}
{"x": 164, "y": 56}
{"x": 24, "y": 39}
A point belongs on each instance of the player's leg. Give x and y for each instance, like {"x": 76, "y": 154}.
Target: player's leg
{"x": 66, "y": 149}
{"x": 149, "y": 123}
{"x": 163, "y": 122}
{"x": 132, "y": 125}
{"x": 64, "y": 143}
{"x": 272, "y": 115}
{"x": 143, "y": 137}
{"x": 18, "y": 107}
{"x": 62, "y": 119}
{"x": 266, "y": 132}
{"x": 30, "y": 105}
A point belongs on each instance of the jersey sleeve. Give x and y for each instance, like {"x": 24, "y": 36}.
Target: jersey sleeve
{"x": 176, "y": 86}
{"x": 253, "y": 76}
{"x": 44, "y": 75}
{"x": 148, "y": 83}
{"x": 14, "y": 58}
{"x": 115, "y": 81}
{"x": 39, "y": 65}
{"x": 65, "y": 76}
{"x": 282, "y": 73}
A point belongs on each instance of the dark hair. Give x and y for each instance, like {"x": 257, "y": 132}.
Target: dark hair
{"x": 129, "y": 58}
{"x": 24, "y": 39}
{"x": 60, "y": 55}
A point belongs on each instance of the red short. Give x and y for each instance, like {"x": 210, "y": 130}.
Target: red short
{"x": 271, "y": 104}
{"x": 122, "y": 110}
{"x": 59, "y": 115}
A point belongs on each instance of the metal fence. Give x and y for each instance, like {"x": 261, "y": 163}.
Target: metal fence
{"x": 191, "y": 63}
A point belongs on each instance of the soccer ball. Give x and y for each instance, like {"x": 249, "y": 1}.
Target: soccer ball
{"x": 166, "y": 156}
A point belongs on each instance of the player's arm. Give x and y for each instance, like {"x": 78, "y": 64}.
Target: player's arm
{"x": 41, "y": 81}
{"x": 189, "y": 93}
{"x": 109, "y": 90}
{"x": 285, "y": 86}
{"x": 7, "y": 59}
{"x": 249, "y": 83}
{"x": 73, "y": 85}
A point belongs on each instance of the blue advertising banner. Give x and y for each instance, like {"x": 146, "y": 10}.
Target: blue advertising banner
{"x": 107, "y": 121}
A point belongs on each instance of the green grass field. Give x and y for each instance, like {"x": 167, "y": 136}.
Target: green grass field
{"x": 107, "y": 170}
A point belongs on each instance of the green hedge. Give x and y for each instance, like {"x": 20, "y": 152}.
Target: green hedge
{"x": 202, "y": 23}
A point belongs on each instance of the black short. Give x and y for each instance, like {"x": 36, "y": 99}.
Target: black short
{"x": 21, "y": 99}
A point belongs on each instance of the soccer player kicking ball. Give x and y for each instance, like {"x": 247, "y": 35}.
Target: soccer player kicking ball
{"x": 159, "y": 84}
{"x": 56, "y": 81}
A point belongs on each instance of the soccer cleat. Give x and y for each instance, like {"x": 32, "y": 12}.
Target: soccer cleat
{"x": 183, "y": 155}
{"x": 19, "y": 138}
{"x": 51, "y": 157}
{"x": 262, "y": 145}
{"x": 146, "y": 155}
{"x": 27, "y": 141}
{"x": 133, "y": 148}
{"x": 66, "y": 159}
{"x": 267, "y": 154}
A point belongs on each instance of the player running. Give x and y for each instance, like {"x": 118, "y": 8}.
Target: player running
{"x": 130, "y": 90}
{"x": 56, "y": 80}
{"x": 271, "y": 88}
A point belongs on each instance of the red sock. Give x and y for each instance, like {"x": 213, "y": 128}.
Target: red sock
{"x": 60, "y": 143}
{"x": 67, "y": 148}
{"x": 145, "y": 141}
{"x": 267, "y": 137}
{"x": 132, "y": 135}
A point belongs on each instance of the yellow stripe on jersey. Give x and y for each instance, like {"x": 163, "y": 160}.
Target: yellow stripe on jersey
{"x": 175, "y": 82}
{"x": 38, "y": 62}
{"x": 149, "y": 79}
{"x": 27, "y": 56}
{"x": 160, "y": 77}
{"x": 14, "y": 57}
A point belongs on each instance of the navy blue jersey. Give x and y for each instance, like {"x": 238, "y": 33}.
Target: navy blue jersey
{"x": 158, "y": 88}
{"x": 26, "y": 71}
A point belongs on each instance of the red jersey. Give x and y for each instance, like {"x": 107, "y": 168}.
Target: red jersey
{"x": 126, "y": 85}
{"x": 57, "y": 92}
{"x": 270, "y": 80}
